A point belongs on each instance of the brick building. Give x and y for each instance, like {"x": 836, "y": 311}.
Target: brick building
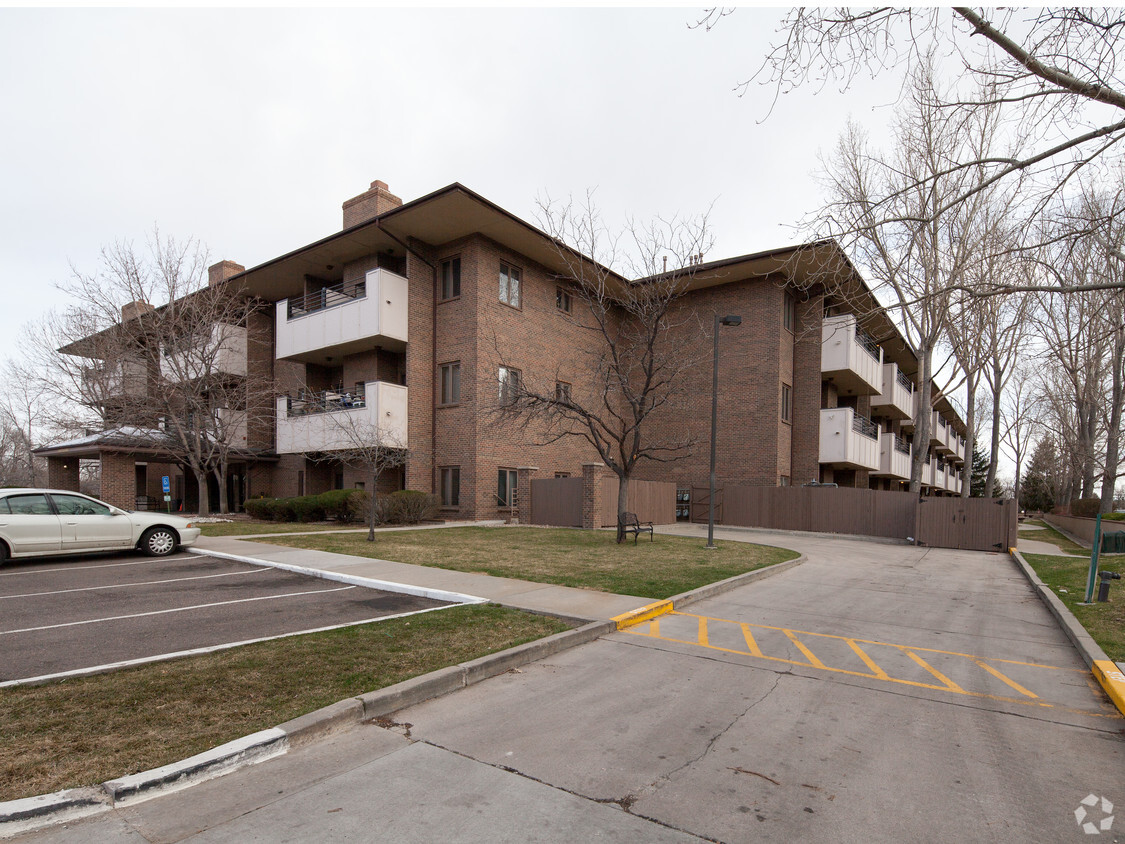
{"x": 414, "y": 315}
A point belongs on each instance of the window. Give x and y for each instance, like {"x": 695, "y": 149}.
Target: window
{"x": 506, "y": 487}
{"x": 789, "y": 313}
{"x": 450, "y": 486}
{"x": 510, "y": 285}
{"x": 562, "y": 300}
{"x": 300, "y": 482}
{"x": 562, "y": 474}
{"x": 562, "y": 391}
{"x": 509, "y": 384}
{"x": 76, "y": 505}
{"x": 784, "y": 480}
{"x": 786, "y": 403}
{"x": 450, "y": 383}
{"x": 451, "y": 278}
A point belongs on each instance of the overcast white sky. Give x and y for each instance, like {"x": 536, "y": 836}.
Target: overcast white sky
{"x": 246, "y": 129}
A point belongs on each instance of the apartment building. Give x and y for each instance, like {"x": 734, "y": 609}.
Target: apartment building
{"x": 415, "y": 317}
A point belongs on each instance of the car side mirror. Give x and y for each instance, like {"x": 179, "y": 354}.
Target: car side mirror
{"x": 117, "y": 512}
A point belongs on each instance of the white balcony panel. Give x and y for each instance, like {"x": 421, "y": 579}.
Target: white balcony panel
{"x": 355, "y": 323}
{"x": 908, "y": 424}
{"x": 841, "y": 445}
{"x": 847, "y": 363}
{"x": 232, "y": 426}
{"x": 894, "y": 401}
{"x": 110, "y": 380}
{"x": 892, "y": 462}
{"x": 383, "y": 414}
{"x": 222, "y": 352}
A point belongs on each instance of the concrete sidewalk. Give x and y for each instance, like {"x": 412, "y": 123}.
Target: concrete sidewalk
{"x": 565, "y": 601}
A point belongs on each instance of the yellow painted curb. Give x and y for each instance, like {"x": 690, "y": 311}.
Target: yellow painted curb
{"x": 642, "y": 614}
{"x": 1112, "y": 680}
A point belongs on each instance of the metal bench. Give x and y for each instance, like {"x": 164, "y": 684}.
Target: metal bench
{"x": 631, "y": 524}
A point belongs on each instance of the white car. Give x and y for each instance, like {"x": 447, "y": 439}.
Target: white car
{"x": 40, "y": 522}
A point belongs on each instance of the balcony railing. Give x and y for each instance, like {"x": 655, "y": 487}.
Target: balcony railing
{"x": 895, "y": 400}
{"x": 904, "y": 381}
{"x": 894, "y": 457}
{"x": 849, "y": 357}
{"x": 331, "y": 421}
{"x": 863, "y": 425}
{"x": 868, "y": 344}
{"x": 326, "y": 297}
{"x": 345, "y": 319}
{"x": 901, "y": 445}
{"x": 326, "y": 401}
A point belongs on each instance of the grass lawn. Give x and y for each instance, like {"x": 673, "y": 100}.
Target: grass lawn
{"x": 88, "y": 730}
{"x": 1049, "y": 534}
{"x": 1105, "y": 622}
{"x": 587, "y": 559}
{"x": 245, "y": 528}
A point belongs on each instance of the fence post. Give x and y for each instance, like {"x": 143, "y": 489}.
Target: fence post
{"x": 523, "y": 486}
{"x": 592, "y": 495}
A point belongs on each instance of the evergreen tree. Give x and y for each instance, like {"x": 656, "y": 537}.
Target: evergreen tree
{"x": 1038, "y": 488}
{"x": 979, "y": 474}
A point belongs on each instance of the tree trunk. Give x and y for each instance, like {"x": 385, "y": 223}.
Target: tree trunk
{"x": 221, "y": 478}
{"x": 622, "y": 505}
{"x": 922, "y": 424}
{"x": 1113, "y": 436}
{"x": 994, "y": 447}
{"x": 970, "y": 433}
{"x": 371, "y": 505}
{"x": 204, "y": 493}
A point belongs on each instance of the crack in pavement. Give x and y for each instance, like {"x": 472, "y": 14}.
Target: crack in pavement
{"x": 663, "y": 779}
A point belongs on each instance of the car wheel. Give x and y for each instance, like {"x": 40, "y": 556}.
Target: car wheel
{"x": 159, "y": 541}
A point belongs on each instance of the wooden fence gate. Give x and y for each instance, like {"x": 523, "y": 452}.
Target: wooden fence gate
{"x": 973, "y": 524}
{"x": 556, "y": 501}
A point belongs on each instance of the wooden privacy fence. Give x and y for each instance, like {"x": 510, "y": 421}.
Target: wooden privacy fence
{"x": 652, "y": 501}
{"x": 559, "y": 501}
{"x": 971, "y": 524}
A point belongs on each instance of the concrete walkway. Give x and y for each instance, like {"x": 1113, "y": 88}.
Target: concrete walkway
{"x": 581, "y": 604}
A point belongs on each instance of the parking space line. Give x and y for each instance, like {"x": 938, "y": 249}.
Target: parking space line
{"x": 140, "y": 583}
{"x": 809, "y": 655}
{"x": 953, "y": 687}
{"x": 175, "y": 609}
{"x": 868, "y": 661}
{"x": 55, "y": 569}
{"x": 704, "y": 633}
{"x": 1004, "y": 678}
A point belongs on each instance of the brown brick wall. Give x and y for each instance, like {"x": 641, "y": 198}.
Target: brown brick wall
{"x": 119, "y": 482}
{"x": 805, "y": 450}
{"x": 62, "y": 473}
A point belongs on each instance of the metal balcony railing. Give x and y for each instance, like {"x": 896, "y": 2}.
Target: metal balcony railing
{"x": 327, "y": 297}
{"x": 901, "y": 445}
{"x": 867, "y": 342}
{"x": 326, "y": 401}
{"x": 863, "y": 425}
{"x": 904, "y": 381}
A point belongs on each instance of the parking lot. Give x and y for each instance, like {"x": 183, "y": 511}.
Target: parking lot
{"x": 65, "y": 616}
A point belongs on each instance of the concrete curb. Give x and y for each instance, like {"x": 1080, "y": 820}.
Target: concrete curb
{"x": 30, "y": 813}
{"x": 1103, "y": 669}
{"x": 684, "y": 599}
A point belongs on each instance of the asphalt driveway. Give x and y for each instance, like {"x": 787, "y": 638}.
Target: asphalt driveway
{"x": 72, "y": 614}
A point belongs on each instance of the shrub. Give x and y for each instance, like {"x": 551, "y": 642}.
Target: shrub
{"x": 337, "y": 503}
{"x": 361, "y": 500}
{"x": 260, "y": 508}
{"x": 1085, "y": 507}
{"x": 1114, "y": 517}
{"x": 411, "y": 506}
{"x": 307, "y": 508}
{"x": 283, "y": 510}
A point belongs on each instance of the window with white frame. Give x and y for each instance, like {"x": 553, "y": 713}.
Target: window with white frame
{"x": 451, "y": 278}
{"x": 506, "y": 487}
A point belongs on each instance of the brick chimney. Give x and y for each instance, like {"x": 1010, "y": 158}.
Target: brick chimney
{"x": 135, "y": 309}
{"x": 220, "y": 272}
{"x": 370, "y": 204}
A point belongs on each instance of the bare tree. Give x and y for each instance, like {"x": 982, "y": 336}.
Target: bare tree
{"x": 640, "y": 345}
{"x": 1051, "y": 75}
{"x": 25, "y": 417}
{"x": 148, "y": 346}
{"x": 894, "y": 214}
{"x": 367, "y": 447}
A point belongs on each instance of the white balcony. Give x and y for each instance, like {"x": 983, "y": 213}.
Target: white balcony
{"x": 959, "y": 448}
{"x": 849, "y": 358}
{"x": 231, "y": 426}
{"x": 848, "y": 440}
{"x": 942, "y": 436}
{"x": 894, "y": 457}
{"x": 105, "y": 380}
{"x": 334, "y": 421}
{"x": 896, "y": 400}
{"x": 952, "y": 479}
{"x": 222, "y": 351}
{"x": 344, "y": 319}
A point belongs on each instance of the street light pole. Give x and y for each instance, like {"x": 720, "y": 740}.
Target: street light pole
{"x": 732, "y": 320}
